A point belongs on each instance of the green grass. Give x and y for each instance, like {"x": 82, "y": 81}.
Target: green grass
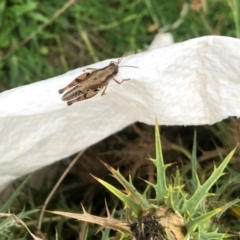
{"x": 39, "y": 40}
{"x": 89, "y": 31}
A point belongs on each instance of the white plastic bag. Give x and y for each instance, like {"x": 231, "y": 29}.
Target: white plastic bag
{"x": 189, "y": 83}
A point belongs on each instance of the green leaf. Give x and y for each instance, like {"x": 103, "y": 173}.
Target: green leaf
{"x": 227, "y": 206}
{"x": 128, "y": 186}
{"x": 210, "y": 236}
{"x": 161, "y": 185}
{"x": 203, "y": 221}
{"x": 126, "y": 200}
{"x": 5, "y": 38}
{"x": 38, "y": 17}
{"x": 2, "y": 9}
{"x": 194, "y": 181}
{"x": 20, "y": 10}
{"x": 13, "y": 197}
{"x": 202, "y": 191}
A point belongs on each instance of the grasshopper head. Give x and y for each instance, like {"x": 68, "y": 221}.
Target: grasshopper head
{"x": 114, "y": 67}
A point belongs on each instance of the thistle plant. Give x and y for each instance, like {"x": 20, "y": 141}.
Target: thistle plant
{"x": 181, "y": 208}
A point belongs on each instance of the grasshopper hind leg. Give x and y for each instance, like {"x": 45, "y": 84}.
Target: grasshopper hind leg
{"x": 75, "y": 82}
{"x": 88, "y": 94}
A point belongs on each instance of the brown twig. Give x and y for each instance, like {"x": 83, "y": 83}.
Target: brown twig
{"x": 55, "y": 188}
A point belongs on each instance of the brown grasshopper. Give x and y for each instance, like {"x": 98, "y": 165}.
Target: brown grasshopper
{"x": 88, "y": 84}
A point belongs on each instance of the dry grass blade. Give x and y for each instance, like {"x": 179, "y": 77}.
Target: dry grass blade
{"x": 17, "y": 219}
{"x": 107, "y": 222}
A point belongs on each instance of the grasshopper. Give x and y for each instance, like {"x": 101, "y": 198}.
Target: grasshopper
{"x": 88, "y": 84}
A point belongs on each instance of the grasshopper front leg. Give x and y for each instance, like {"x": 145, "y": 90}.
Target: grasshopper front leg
{"x": 118, "y": 82}
{"x": 115, "y": 80}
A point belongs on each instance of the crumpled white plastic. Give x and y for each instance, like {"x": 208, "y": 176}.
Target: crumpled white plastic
{"x": 189, "y": 83}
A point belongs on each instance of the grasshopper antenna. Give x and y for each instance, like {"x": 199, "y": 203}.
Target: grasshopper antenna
{"x": 120, "y": 59}
{"x": 128, "y": 66}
